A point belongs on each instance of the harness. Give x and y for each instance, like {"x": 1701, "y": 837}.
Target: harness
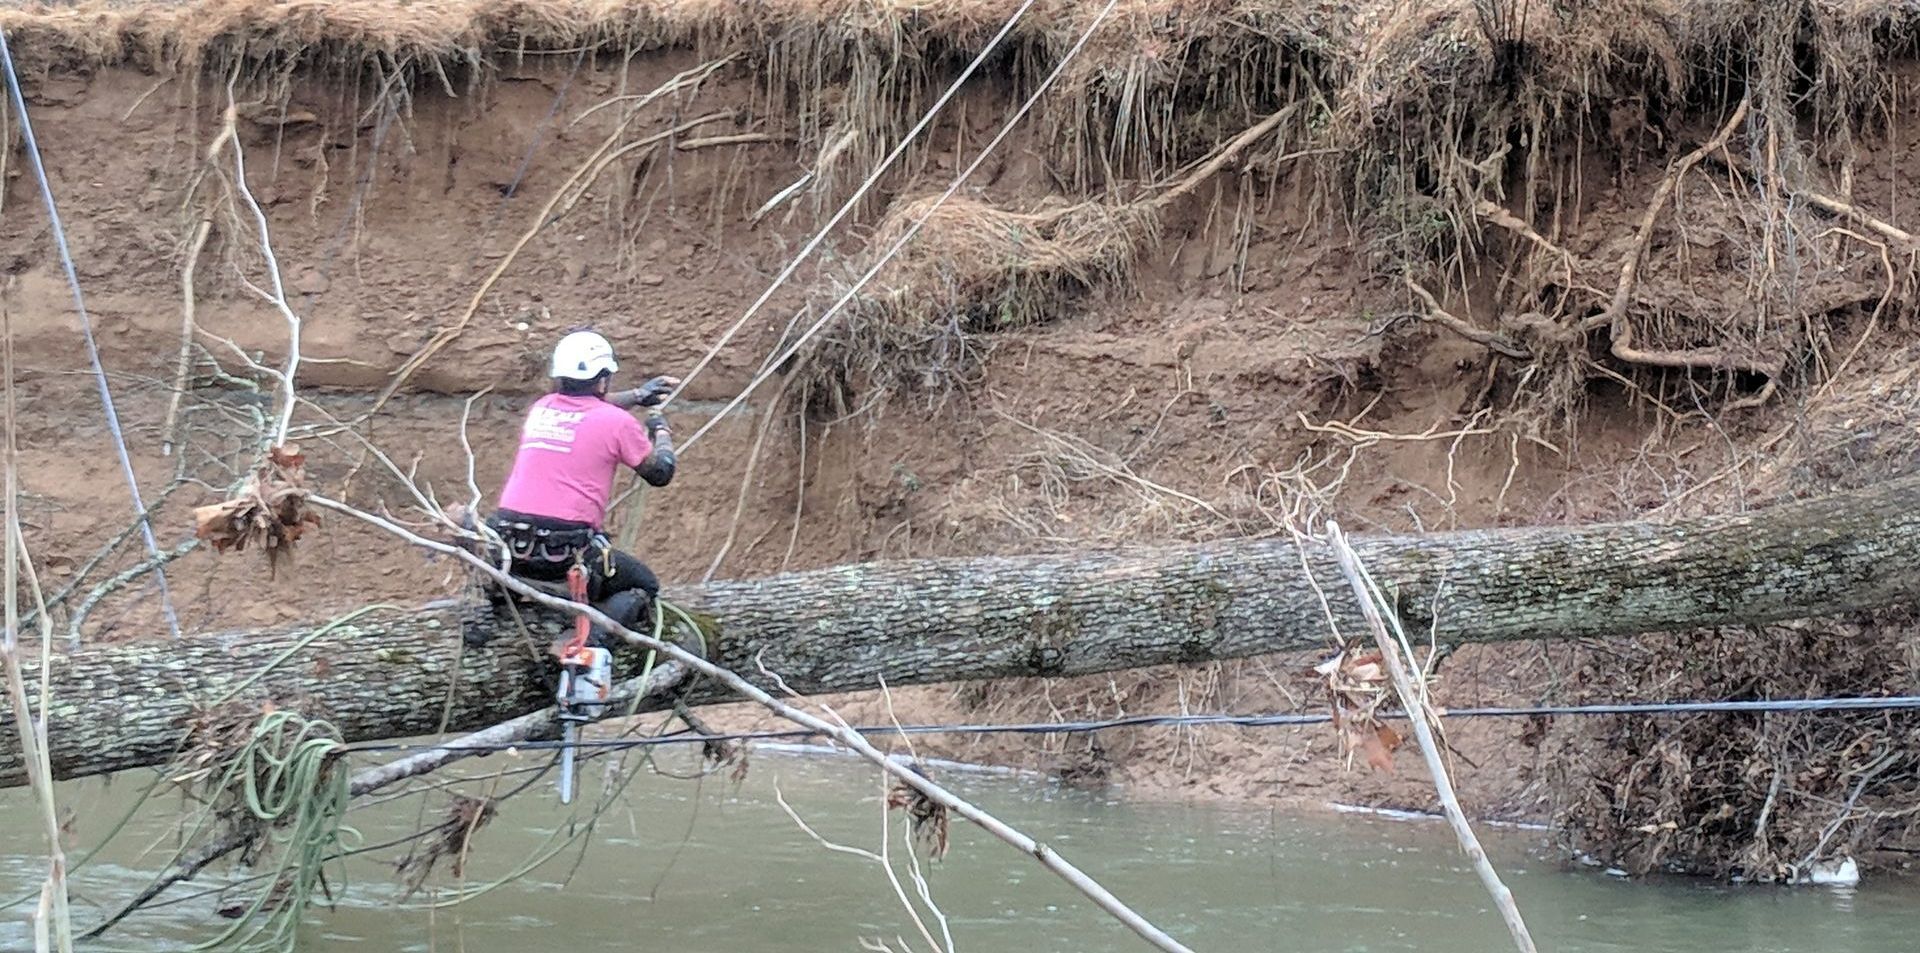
{"x": 529, "y": 543}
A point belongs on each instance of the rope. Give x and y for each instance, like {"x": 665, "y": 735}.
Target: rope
{"x": 287, "y": 782}
{"x": 912, "y": 230}
{"x": 1278, "y": 719}
{"x": 86, "y": 329}
{"x": 858, "y": 194}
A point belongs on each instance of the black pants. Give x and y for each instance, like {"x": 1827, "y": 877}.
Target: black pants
{"x": 617, "y": 583}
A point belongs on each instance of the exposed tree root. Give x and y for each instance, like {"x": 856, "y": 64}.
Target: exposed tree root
{"x": 1487, "y": 339}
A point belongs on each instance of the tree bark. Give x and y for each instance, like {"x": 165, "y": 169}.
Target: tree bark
{"x": 908, "y": 622}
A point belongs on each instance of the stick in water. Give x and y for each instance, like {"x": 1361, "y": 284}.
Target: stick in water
{"x": 1418, "y": 714}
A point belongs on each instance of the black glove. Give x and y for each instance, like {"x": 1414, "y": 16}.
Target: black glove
{"x": 657, "y": 426}
{"x": 651, "y": 393}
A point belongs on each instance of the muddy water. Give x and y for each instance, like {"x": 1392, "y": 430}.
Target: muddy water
{"x": 710, "y": 868}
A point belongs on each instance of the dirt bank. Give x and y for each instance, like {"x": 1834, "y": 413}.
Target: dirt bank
{"x": 1104, "y": 338}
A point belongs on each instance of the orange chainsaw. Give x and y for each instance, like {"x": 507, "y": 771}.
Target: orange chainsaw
{"x": 586, "y": 679}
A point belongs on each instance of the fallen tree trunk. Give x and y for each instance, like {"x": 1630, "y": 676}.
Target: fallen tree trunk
{"x": 909, "y": 622}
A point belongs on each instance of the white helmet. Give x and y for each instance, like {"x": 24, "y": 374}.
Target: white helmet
{"x": 583, "y": 356}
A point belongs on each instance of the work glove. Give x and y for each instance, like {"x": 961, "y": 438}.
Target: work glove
{"x": 651, "y": 393}
{"x": 657, "y": 427}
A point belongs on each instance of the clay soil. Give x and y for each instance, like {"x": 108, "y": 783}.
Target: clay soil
{"x": 1213, "y": 375}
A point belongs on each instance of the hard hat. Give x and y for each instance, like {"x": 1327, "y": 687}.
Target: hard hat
{"x": 583, "y": 356}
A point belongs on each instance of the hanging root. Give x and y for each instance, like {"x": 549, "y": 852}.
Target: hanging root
{"x": 270, "y": 512}
{"x": 973, "y": 269}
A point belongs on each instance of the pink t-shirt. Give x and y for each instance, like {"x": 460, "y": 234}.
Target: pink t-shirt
{"x": 570, "y": 449}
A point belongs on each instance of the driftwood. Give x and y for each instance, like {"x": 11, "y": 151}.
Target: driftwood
{"x": 846, "y": 628}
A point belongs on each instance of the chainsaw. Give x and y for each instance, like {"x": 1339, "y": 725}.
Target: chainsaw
{"x": 586, "y": 679}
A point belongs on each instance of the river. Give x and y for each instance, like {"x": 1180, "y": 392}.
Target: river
{"x": 709, "y": 868}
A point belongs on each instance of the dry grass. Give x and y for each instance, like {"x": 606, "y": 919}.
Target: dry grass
{"x": 973, "y": 269}
{"x": 1372, "y": 67}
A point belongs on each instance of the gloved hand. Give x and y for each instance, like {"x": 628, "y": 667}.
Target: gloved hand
{"x": 657, "y": 426}
{"x": 651, "y": 393}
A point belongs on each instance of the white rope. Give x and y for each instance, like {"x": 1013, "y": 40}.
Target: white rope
{"x": 773, "y": 366}
{"x": 858, "y": 194}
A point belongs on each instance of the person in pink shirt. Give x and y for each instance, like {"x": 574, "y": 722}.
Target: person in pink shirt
{"x": 553, "y": 507}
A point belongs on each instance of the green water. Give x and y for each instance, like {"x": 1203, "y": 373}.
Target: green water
{"x": 707, "y": 869}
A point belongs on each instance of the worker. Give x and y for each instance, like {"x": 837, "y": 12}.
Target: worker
{"x": 552, "y": 511}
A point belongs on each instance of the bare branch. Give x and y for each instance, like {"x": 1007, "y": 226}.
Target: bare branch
{"x": 1047, "y": 856}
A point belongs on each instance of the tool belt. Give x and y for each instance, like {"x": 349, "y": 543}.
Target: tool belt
{"x": 529, "y": 542}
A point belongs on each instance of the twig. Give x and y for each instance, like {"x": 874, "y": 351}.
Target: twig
{"x": 466, "y": 446}
{"x": 746, "y": 478}
{"x": 799, "y": 491}
{"x": 1045, "y": 855}
{"x": 880, "y": 859}
{"x": 121, "y": 578}
{"x": 185, "y": 363}
{"x": 1420, "y": 714}
{"x": 183, "y": 868}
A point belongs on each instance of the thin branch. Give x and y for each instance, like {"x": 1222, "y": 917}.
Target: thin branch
{"x": 53, "y": 911}
{"x": 466, "y": 446}
{"x": 1047, "y": 856}
{"x": 278, "y": 297}
{"x": 184, "y": 365}
{"x": 106, "y": 587}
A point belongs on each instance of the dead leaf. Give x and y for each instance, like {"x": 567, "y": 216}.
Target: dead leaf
{"x": 270, "y": 511}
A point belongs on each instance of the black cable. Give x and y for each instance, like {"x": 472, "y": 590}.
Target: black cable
{"x": 1889, "y": 703}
